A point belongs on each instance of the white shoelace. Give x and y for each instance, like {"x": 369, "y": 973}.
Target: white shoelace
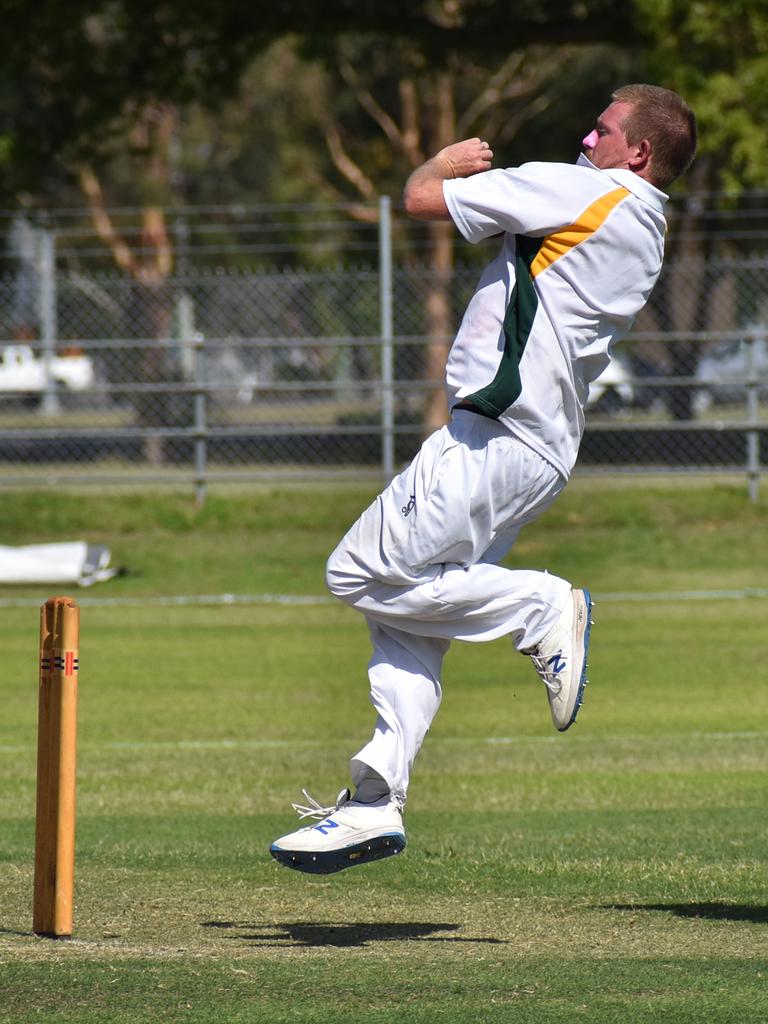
{"x": 548, "y": 677}
{"x": 316, "y": 810}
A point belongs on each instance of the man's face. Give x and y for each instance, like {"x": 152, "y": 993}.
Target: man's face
{"x": 606, "y": 145}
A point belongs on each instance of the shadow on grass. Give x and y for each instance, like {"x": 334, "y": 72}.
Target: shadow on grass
{"x": 305, "y": 933}
{"x": 708, "y": 911}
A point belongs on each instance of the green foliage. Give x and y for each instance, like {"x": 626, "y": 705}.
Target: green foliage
{"x": 75, "y": 77}
{"x": 715, "y": 55}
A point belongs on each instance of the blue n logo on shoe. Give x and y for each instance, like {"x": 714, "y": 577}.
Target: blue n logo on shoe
{"x": 557, "y": 662}
{"x": 327, "y": 824}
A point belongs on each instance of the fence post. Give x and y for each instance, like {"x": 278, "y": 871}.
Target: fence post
{"x": 752, "y": 411}
{"x": 46, "y": 265}
{"x": 201, "y": 429}
{"x": 387, "y": 353}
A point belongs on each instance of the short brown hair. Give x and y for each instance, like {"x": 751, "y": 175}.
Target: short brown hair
{"x": 669, "y": 124}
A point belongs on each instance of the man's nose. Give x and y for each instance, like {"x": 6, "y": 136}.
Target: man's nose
{"x": 590, "y": 141}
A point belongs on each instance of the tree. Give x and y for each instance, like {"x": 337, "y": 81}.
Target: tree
{"x": 73, "y": 76}
{"x": 416, "y": 109}
{"x": 716, "y": 55}
{"x": 148, "y": 258}
{"x": 419, "y": 110}
{"x": 94, "y": 74}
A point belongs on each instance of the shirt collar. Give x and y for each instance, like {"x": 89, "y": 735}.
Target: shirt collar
{"x": 643, "y": 189}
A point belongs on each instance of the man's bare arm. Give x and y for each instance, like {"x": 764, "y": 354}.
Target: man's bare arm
{"x": 423, "y": 195}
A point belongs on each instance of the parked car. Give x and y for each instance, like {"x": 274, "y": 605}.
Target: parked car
{"x": 612, "y": 390}
{"x": 228, "y": 378}
{"x": 723, "y": 370}
{"x": 25, "y": 376}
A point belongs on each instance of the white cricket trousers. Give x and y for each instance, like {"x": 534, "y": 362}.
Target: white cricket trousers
{"x": 420, "y": 564}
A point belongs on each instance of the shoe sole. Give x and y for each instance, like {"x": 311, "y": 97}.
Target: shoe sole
{"x": 583, "y": 676}
{"x": 328, "y": 862}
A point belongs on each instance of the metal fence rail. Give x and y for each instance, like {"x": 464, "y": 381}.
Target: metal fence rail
{"x": 230, "y": 373}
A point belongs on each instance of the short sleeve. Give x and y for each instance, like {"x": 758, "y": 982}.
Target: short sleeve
{"x": 533, "y": 199}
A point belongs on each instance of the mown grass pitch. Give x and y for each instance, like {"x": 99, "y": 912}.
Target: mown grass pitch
{"x": 614, "y": 873}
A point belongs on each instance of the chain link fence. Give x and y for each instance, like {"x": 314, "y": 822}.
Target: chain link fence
{"x": 301, "y": 342}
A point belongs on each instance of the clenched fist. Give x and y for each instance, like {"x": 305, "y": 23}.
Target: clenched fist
{"x": 463, "y": 159}
{"x": 423, "y": 196}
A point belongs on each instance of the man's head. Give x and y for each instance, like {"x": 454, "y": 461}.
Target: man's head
{"x": 648, "y": 130}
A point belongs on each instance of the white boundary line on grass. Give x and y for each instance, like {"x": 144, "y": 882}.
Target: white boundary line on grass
{"x": 264, "y": 744}
{"x": 177, "y": 600}
{"x": 683, "y": 595}
{"x": 185, "y": 600}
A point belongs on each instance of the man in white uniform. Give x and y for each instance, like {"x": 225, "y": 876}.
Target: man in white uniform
{"x": 581, "y": 249}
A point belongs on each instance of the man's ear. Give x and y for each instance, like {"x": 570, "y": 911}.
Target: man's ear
{"x": 642, "y": 157}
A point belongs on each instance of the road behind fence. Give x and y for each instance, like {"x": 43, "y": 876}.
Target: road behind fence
{"x": 297, "y": 359}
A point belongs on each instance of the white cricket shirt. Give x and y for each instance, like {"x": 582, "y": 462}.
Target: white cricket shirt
{"x": 582, "y": 250}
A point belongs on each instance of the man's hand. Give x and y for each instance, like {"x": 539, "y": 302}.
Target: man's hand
{"x": 463, "y": 159}
{"x": 423, "y": 195}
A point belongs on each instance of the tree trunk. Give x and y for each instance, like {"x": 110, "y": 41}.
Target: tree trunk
{"x": 440, "y": 321}
{"x": 440, "y": 324}
{"x": 686, "y": 309}
{"x": 150, "y": 266}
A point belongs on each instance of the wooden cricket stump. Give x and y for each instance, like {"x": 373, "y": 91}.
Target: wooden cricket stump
{"x": 56, "y": 768}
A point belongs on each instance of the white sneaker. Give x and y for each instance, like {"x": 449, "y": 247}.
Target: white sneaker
{"x": 561, "y": 659}
{"x": 349, "y": 833}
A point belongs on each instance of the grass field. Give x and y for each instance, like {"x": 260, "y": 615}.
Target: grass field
{"x": 616, "y": 873}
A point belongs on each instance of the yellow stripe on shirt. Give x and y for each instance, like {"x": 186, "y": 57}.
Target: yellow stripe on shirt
{"x": 561, "y": 242}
